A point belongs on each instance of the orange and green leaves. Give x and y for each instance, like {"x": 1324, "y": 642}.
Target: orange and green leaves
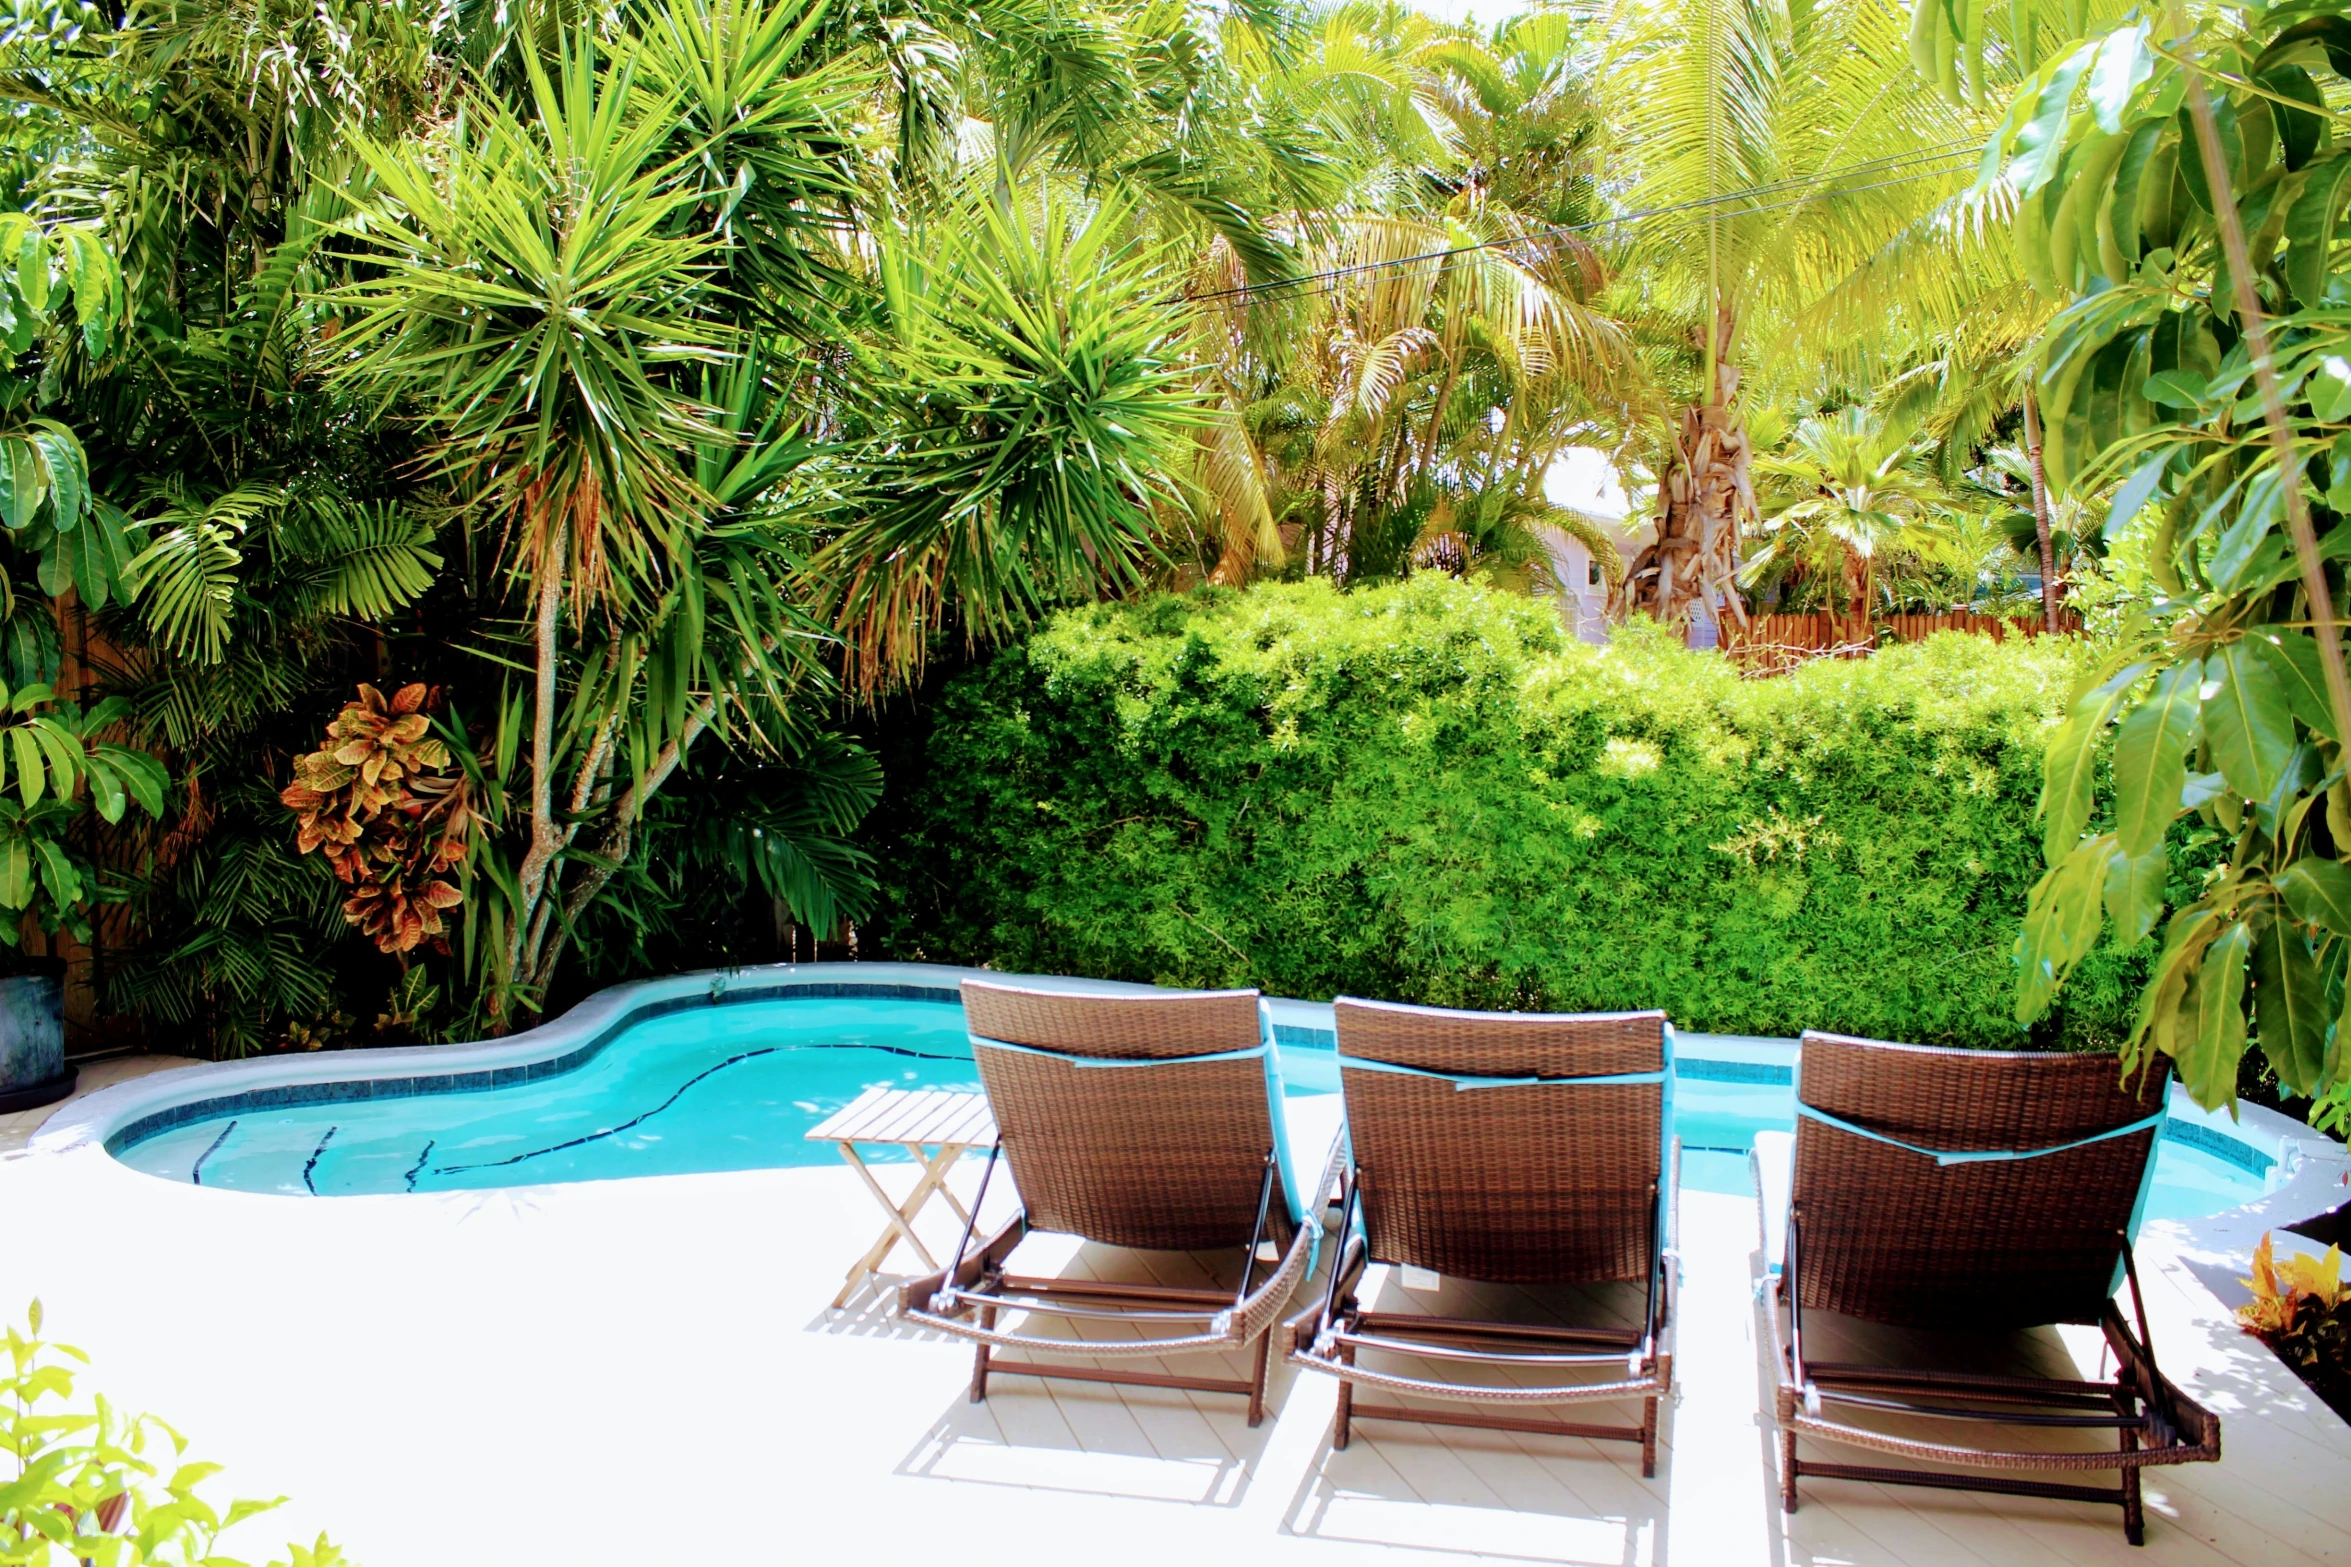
{"x": 2282, "y": 1293}
{"x": 391, "y": 813}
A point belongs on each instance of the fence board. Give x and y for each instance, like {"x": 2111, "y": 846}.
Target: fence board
{"x": 1775, "y": 644}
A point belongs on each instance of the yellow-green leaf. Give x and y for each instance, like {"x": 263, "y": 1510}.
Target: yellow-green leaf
{"x": 2134, "y": 892}
{"x": 2247, "y": 720}
{"x": 2151, "y": 758}
{"x": 2290, "y": 1006}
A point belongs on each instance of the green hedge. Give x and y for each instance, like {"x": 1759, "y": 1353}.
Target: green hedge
{"x": 1429, "y": 793}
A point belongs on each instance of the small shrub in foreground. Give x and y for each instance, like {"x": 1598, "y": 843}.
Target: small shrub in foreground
{"x": 100, "y": 1487}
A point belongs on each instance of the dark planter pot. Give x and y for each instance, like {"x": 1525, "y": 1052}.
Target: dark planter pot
{"x": 32, "y": 1040}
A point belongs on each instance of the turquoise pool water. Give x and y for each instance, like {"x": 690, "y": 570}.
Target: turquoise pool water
{"x": 737, "y": 1087}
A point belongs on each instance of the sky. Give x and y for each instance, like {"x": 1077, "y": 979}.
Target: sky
{"x": 1484, "y": 12}
{"x": 1583, "y": 478}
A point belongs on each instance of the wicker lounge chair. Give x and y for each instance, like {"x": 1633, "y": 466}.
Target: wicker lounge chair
{"x": 1505, "y": 1148}
{"x": 1134, "y": 1120}
{"x": 1981, "y": 1192}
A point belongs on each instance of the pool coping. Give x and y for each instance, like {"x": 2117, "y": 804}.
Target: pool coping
{"x": 2314, "y": 1170}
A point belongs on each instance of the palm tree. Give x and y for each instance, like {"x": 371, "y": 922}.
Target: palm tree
{"x": 1847, "y": 498}
{"x": 1410, "y": 395}
{"x": 1772, "y": 149}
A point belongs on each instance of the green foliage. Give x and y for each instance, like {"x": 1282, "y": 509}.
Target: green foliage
{"x": 2200, "y": 373}
{"x": 93, "y": 1486}
{"x": 1426, "y": 792}
{"x": 56, "y": 757}
{"x": 1025, "y": 407}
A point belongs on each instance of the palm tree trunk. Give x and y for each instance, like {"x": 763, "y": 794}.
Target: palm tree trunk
{"x": 1703, "y": 498}
{"x": 2041, "y": 533}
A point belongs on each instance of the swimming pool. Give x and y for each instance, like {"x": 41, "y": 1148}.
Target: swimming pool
{"x": 735, "y": 1084}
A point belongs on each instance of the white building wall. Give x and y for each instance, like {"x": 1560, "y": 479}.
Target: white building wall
{"x": 1584, "y": 480}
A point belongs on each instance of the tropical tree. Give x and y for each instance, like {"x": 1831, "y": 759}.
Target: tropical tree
{"x": 1846, "y": 497}
{"x": 1400, "y": 405}
{"x": 1771, "y": 151}
{"x": 2179, "y": 187}
{"x": 1022, "y": 411}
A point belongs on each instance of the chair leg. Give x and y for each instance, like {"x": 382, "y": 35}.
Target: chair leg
{"x": 979, "y": 1360}
{"x": 1345, "y": 1429}
{"x": 1649, "y": 1437}
{"x": 1257, "y": 1379}
{"x": 1787, "y": 1471}
{"x": 2134, "y": 1514}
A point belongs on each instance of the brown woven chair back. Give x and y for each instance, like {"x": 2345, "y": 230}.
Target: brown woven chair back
{"x": 1895, "y": 1237}
{"x": 1522, "y": 1185}
{"x": 1165, "y": 1157}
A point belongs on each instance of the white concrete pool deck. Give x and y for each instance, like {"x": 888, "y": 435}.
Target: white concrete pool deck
{"x": 644, "y": 1371}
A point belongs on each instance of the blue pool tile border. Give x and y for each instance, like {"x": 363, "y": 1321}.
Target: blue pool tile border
{"x": 2220, "y": 1145}
{"x": 1734, "y": 1071}
{"x": 358, "y": 1089}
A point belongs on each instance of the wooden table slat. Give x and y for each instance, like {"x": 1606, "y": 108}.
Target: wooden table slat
{"x": 909, "y": 1115}
{"x": 939, "y": 1125}
{"x": 978, "y": 1124}
{"x": 853, "y": 1113}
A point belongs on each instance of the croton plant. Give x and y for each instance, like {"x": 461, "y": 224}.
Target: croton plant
{"x": 381, "y": 800}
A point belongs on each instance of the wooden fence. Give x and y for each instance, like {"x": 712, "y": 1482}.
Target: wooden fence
{"x": 1775, "y": 644}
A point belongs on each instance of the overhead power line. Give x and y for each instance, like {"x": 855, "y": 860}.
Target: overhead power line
{"x": 1945, "y": 161}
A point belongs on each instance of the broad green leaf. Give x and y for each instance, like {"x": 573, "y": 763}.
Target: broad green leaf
{"x": 2042, "y": 141}
{"x": 2290, "y": 1006}
{"x": 2247, "y": 720}
{"x": 2160, "y": 1001}
{"x": 2318, "y": 891}
{"x": 2232, "y": 147}
{"x": 2134, "y": 892}
{"x": 105, "y": 790}
{"x": 2208, "y": 1057}
{"x": 2293, "y": 661}
{"x": 57, "y": 873}
{"x": 2338, "y": 1052}
{"x": 69, "y": 472}
{"x": 2330, "y": 389}
{"x": 31, "y": 775}
{"x": 2151, "y": 758}
{"x": 2201, "y": 789}
{"x": 2176, "y": 389}
{"x": 2068, "y": 768}
{"x": 2123, "y": 62}
{"x": 2136, "y": 491}
{"x": 2310, "y": 227}
{"x": 2060, "y": 925}
{"x": 16, "y": 874}
{"x": 32, "y": 270}
{"x": 64, "y": 751}
{"x": 142, "y": 775}
{"x": 29, "y": 482}
{"x": 2068, "y": 783}
{"x": 2261, "y": 508}
{"x": 54, "y": 572}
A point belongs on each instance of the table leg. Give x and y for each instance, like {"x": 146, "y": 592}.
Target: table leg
{"x": 901, "y": 1225}
{"x": 943, "y": 1162}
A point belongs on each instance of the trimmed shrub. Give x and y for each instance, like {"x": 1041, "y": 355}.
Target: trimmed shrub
{"x": 1428, "y": 792}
